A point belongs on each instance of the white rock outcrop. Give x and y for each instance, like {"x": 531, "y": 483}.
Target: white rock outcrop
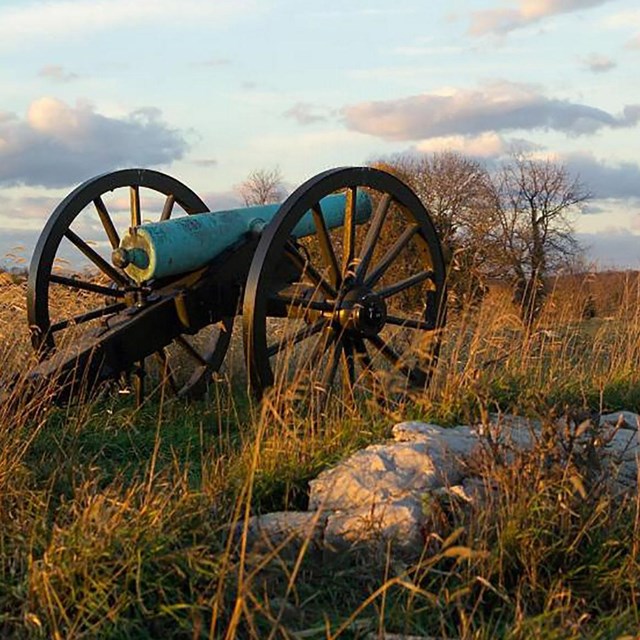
{"x": 378, "y": 496}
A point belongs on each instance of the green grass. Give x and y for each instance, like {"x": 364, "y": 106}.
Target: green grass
{"x": 115, "y": 522}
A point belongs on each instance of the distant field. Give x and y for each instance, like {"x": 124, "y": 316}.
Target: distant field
{"x": 113, "y": 519}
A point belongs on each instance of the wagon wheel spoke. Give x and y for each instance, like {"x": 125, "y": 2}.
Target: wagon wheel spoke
{"x": 414, "y": 374}
{"x": 365, "y": 362}
{"x": 310, "y": 271}
{"x": 296, "y": 338}
{"x": 90, "y": 315}
{"x": 303, "y": 303}
{"x": 167, "y": 371}
{"x": 407, "y": 283}
{"x": 349, "y": 237}
{"x": 392, "y": 253}
{"x": 167, "y": 210}
{"x": 82, "y": 285}
{"x": 326, "y": 247}
{"x": 134, "y": 198}
{"x": 107, "y": 222}
{"x": 409, "y": 323}
{"x": 335, "y": 345}
{"x": 372, "y": 236}
{"x": 96, "y": 258}
{"x": 362, "y": 355}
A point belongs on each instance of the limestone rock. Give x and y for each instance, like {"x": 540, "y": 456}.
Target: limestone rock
{"x": 627, "y": 419}
{"x": 381, "y": 473}
{"x": 398, "y": 522}
{"x": 620, "y": 451}
{"x": 457, "y": 441}
{"x": 285, "y": 531}
{"x": 512, "y": 432}
{"x": 380, "y": 496}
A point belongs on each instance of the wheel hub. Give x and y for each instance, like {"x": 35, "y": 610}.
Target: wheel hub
{"x": 362, "y": 311}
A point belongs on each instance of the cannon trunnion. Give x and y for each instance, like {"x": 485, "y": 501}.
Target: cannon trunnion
{"x": 340, "y": 288}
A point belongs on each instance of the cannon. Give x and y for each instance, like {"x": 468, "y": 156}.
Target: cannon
{"x": 342, "y": 286}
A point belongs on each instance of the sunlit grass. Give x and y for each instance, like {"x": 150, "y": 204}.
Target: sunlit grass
{"x": 115, "y": 521}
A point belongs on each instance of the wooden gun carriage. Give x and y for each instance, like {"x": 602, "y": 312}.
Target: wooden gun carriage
{"x": 343, "y": 285}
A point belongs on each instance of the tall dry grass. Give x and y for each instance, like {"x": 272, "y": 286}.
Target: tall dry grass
{"x": 116, "y": 520}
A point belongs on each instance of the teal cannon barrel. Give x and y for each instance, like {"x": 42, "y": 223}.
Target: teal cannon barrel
{"x": 172, "y": 247}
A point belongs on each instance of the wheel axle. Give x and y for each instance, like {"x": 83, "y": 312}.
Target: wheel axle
{"x": 362, "y": 312}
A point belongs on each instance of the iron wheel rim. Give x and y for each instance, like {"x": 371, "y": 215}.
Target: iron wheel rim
{"x": 274, "y": 240}
{"x": 58, "y": 226}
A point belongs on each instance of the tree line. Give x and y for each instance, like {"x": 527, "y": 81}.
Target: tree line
{"x": 512, "y": 222}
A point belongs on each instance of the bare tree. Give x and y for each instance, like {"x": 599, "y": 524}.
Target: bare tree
{"x": 262, "y": 186}
{"x": 458, "y": 193}
{"x": 535, "y": 202}
{"x": 515, "y": 224}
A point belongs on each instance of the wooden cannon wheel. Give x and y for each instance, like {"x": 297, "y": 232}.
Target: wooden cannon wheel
{"x": 355, "y": 308}
{"x": 73, "y": 284}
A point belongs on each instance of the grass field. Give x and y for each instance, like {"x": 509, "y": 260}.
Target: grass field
{"x": 114, "y": 519}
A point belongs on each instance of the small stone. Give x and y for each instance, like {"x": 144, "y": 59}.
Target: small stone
{"x": 457, "y": 493}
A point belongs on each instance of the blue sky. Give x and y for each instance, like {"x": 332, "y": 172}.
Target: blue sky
{"x": 210, "y": 90}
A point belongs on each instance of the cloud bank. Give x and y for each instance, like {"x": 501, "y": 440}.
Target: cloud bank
{"x": 57, "y": 145}
{"x": 605, "y": 180}
{"x": 498, "y": 106}
{"x": 502, "y": 21}
{"x": 56, "y": 18}
{"x": 488, "y": 146}
{"x": 612, "y": 249}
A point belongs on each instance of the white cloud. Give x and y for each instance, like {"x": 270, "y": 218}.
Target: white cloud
{"x": 533, "y": 9}
{"x": 497, "y": 106}
{"x": 21, "y": 212}
{"x": 634, "y": 43}
{"x": 502, "y": 21}
{"x": 425, "y": 50}
{"x": 41, "y": 19}
{"x": 487, "y": 145}
{"x": 626, "y": 20}
{"x": 222, "y": 200}
{"x": 57, "y": 73}
{"x": 205, "y": 162}
{"x": 57, "y": 144}
{"x": 306, "y": 113}
{"x": 597, "y": 63}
